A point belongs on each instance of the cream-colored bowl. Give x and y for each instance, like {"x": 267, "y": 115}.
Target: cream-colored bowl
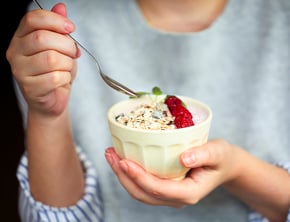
{"x": 158, "y": 151}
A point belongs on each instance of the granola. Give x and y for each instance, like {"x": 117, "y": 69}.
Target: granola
{"x": 152, "y": 116}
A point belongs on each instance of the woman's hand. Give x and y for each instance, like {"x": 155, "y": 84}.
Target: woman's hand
{"x": 42, "y": 59}
{"x": 262, "y": 186}
{"x": 212, "y": 165}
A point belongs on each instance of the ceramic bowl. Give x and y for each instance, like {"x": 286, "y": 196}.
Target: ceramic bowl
{"x": 158, "y": 151}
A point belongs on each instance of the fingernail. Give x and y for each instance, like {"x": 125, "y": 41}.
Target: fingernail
{"x": 188, "y": 159}
{"x": 68, "y": 26}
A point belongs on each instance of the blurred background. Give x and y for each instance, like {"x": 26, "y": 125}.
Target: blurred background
{"x": 11, "y": 131}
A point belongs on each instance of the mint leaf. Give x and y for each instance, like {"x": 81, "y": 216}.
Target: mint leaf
{"x": 156, "y": 91}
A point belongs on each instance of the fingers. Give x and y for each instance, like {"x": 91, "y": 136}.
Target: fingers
{"x": 160, "y": 189}
{"x": 40, "y": 47}
{"x": 46, "y": 61}
{"x": 43, "y": 84}
{"x": 46, "y": 27}
{"x": 43, "y": 59}
{"x": 131, "y": 187}
{"x": 208, "y": 172}
{"x": 42, "y": 40}
{"x": 44, "y": 20}
{"x": 146, "y": 187}
{"x": 39, "y": 32}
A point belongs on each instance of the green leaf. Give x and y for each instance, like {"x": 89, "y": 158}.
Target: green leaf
{"x": 156, "y": 91}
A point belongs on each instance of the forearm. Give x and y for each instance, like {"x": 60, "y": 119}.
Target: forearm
{"x": 262, "y": 186}
{"x": 55, "y": 172}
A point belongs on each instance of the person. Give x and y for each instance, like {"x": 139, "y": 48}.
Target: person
{"x": 232, "y": 55}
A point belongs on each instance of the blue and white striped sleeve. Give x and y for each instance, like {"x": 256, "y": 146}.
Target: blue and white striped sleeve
{"x": 88, "y": 208}
{"x": 256, "y": 217}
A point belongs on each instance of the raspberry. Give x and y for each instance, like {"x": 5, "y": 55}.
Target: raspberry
{"x": 181, "y": 121}
{"x": 173, "y": 101}
{"x": 182, "y": 111}
{"x": 183, "y": 118}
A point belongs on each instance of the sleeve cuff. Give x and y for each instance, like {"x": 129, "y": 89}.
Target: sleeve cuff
{"x": 88, "y": 208}
{"x": 256, "y": 217}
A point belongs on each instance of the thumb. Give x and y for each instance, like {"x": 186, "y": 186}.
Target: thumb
{"x": 60, "y": 9}
{"x": 209, "y": 154}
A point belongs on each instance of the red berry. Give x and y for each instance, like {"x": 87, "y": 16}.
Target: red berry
{"x": 183, "y": 118}
{"x": 181, "y": 121}
{"x": 173, "y": 101}
{"x": 182, "y": 111}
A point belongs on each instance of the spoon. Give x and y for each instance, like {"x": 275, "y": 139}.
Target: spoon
{"x": 111, "y": 82}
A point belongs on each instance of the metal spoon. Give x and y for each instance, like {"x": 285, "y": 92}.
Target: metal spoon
{"x": 111, "y": 82}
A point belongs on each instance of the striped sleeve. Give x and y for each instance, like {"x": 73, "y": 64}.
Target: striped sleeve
{"x": 88, "y": 209}
{"x": 256, "y": 217}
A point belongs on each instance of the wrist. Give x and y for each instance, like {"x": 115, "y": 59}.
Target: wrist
{"x": 237, "y": 163}
{"x": 40, "y": 119}
{"x": 45, "y": 131}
